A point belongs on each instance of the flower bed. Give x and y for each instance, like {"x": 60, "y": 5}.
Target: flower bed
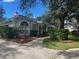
{"x": 23, "y": 39}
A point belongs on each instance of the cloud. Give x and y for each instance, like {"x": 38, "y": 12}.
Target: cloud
{"x": 8, "y": 0}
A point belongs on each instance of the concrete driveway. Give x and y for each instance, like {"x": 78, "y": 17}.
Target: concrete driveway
{"x": 33, "y": 50}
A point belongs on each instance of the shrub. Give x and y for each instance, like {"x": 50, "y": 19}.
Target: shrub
{"x": 74, "y": 32}
{"x": 33, "y": 32}
{"x": 2, "y": 31}
{"x": 8, "y": 32}
{"x": 58, "y": 34}
{"x": 64, "y": 34}
{"x": 73, "y": 36}
{"x": 51, "y": 33}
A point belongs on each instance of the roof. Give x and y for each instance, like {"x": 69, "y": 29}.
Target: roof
{"x": 24, "y": 17}
{"x": 18, "y": 18}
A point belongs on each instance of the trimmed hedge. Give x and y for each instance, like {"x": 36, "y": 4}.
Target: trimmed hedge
{"x": 33, "y": 32}
{"x": 8, "y": 32}
{"x": 58, "y": 34}
{"x": 2, "y": 31}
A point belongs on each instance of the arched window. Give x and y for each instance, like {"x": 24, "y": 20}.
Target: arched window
{"x": 24, "y": 23}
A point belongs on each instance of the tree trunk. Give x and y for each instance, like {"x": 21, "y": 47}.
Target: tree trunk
{"x": 62, "y": 19}
{"x": 62, "y": 24}
{"x": 78, "y": 27}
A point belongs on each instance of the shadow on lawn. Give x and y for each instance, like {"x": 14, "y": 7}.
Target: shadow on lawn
{"x": 7, "y": 52}
{"x": 69, "y": 55}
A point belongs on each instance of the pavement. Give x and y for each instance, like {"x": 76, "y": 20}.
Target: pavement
{"x": 34, "y": 50}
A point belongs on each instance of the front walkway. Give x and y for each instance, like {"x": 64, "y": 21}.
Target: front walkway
{"x": 32, "y": 50}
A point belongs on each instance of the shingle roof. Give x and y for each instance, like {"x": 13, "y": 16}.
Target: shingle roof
{"x": 20, "y": 17}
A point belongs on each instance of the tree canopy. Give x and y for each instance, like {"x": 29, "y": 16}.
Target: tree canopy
{"x": 2, "y": 11}
{"x": 61, "y": 9}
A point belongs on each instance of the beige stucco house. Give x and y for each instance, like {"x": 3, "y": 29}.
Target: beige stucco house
{"x": 25, "y": 25}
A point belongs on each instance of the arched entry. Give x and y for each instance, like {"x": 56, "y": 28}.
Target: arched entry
{"x": 24, "y": 24}
{"x": 24, "y": 28}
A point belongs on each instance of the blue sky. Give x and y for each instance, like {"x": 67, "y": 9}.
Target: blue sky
{"x": 11, "y": 6}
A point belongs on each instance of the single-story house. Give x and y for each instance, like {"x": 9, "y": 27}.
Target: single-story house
{"x": 30, "y": 26}
{"x": 25, "y": 25}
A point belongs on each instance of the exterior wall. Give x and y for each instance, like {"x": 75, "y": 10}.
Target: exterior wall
{"x": 11, "y": 25}
{"x": 39, "y": 28}
{"x": 34, "y": 26}
{"x": 25, "y": 29}
{"x": 17, "y": 24}
{"x": 69, "y": 27}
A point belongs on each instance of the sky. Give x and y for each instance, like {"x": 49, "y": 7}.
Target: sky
{"x": 12, "y": 6}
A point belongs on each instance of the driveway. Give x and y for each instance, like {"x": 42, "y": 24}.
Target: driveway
{"x": 68, "y": 54}
{"x": 33, "y": 50}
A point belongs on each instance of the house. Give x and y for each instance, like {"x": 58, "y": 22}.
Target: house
{"x": 25, "y": 25}
{"x": 30, "y": 26}
{"x": 71, "y": 25}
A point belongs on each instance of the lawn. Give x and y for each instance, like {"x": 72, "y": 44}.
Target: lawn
{"x": 61, "y": 45}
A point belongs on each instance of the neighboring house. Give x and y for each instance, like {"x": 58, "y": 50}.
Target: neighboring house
{"x": 25, "y": 25}
{"x": 71, "y": 26}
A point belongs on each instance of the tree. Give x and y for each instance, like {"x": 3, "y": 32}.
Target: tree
{"x": 26, "y": 4}
{"x": 59, "y": 8}
{"x": 2, "y": 11}
{"x": 28, "y": 14}
{"x": 74, "y": 21}
{"x": 52, "y": 5}
{"x": 73, "y": 8}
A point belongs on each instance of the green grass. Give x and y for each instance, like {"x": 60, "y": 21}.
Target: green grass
{"x": 61, "y": 45}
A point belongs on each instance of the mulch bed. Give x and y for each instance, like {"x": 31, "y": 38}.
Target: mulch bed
{"x": 21, "y": 39}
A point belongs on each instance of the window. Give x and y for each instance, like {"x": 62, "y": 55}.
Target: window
{"x": 24, "y": 24}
